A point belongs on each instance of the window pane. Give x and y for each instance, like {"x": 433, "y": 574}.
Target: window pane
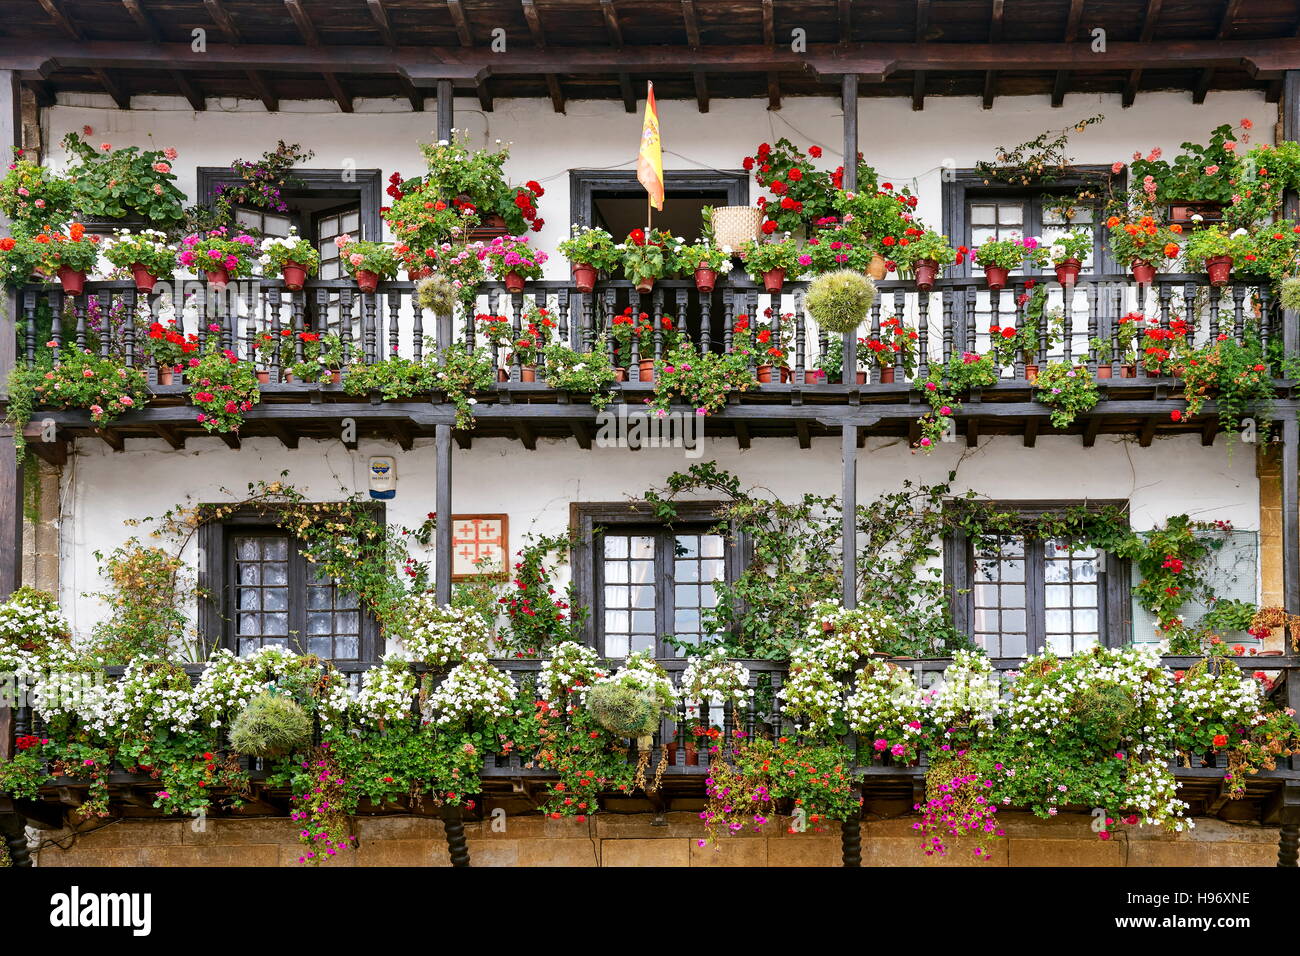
{"x": 642, "y": 546}
{"x": 615, "y": 546}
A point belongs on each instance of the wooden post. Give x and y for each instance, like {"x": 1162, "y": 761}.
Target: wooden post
{"x": 446, "y": 112}
{"x": 14, "y": 830}
{"x": 849, "y": 501}
{"x": 11, "y": 472}
{"x": 1288, "y": 845}
{"x": 1291, "y": 514}
{"x": 442, "y": 534}
{"x": 849, "y": 105}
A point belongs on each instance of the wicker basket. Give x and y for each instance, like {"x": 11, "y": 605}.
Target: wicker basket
{"x": 734, "y": 225}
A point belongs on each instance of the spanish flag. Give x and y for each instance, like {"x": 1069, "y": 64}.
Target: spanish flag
{"x": 650, "y": 160}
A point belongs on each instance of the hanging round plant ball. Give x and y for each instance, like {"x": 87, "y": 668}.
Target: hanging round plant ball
{"x": 436, "y": 294}
{"x": 623, "y": 709}
{"x": 271, "y": 725}
{"x": 839, "y": 301}
{"x": 1289, "y": 293}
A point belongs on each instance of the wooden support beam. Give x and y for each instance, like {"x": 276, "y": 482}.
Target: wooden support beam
{"x": 1031, "y": 432}
{"x": 188, "y": 89}
{"x": 539, "y": 41}
{"x": 287, "y": 438}
{"x": 466, "y": 37}
{"x": 1148, "y": 431}
{"x": 401, "y": 434}
{"x": 972, "y": 432}
{"x": 805, "y": 434}
{"x": 221, "y": 17}
{"x": 307, "y": 30}
{"x": 918, "y": 78}
{"x": 1149, "y": 20}
{"x": 615, "y": 32}
{"x": 1209, "y": 430}
{"x": 256, "y": 78}
{"x": 526, "y": 434}
{"x": 769, "y": 40}
{"x": 995, "y": 34}
{"x": 1226, "y": 27}
{"x": 582, "y": 434}
{"x": 443, "y": 513}
{"x": 1291, "y": 517}
{"x": 52, "y": 452}
{"x": 742, "y": 435}
{"x": 107, "y": 80}
{"x": 232, "y": 440}
{"x": 1091, "y": 430}
{"x": 112, "y": 438}
{"x": 171, "y": 436}
{"x": 693, "y": 41}
{"x": 379, "y": 14}
{"x": 1062, "y": 82}
{"x": 849, "y": 109}
{"x": 849, "y": 516}
{"x": 846, "y": 21}
{"x": 11, "y": 470}
{"x": 446, "y": 110}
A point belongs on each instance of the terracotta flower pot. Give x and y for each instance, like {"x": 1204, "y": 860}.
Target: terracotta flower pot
{"x": 861, "y": 378}
{"x": 1031, "y": 372}
{"x": 263, "y": 376}
{"x": 503, "y": 375}
{"x": 773, "y": 280}
{"x": 1104, "y": 371}
{"x": 692, "y": 756}
{"x": 925, "y": 271}
{"x": 878, "y": 267}
{"x": 997, "y": 277}
{"x": 647, "y": 367}
{"x": 294, "y": 276}
{"x": 218, "y": 278}
{"x": 764, "y": 373}
{"x": 528, "y": 373}
{"x": 1067, "y": 271}
{"x": 72, "y": 280}
{"x": 814, "y": 376}
{"x": 1128, "y": 371}
{"x": 584, "y": 277}
{"x": 165, "y": 374}
{"x": 886, "y": 374}
{"x": 1153, "y": 373}
{"x": 620, "y": 374}
{"x": 143, "y": 278}
{"x": 1143, "y": 272}
{"x": 415, "y": 275}
{"x": 705, "y": 279}
{"x": 1219, "y": 269}
{"x": 644, "y": 284}
{"x": 367, "y": 281}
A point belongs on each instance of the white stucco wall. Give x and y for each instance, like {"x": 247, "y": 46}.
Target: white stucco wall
{"x": 905, "y": 146}
{"x": 102, "y": 489}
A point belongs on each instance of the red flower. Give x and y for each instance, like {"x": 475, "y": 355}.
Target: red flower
{"x": 1220, "y": 740}
{"x": 769, "y": 227}
{"x": 795, "y": 174}
{"x": 815, "y": 152}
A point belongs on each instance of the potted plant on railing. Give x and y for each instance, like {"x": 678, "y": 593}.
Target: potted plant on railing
{"x": 75, "y": 378}
{"x": 367, "y": 262}
{"x": 647, "y": 256}
{"x": 1143, "y": 242}
{"x": 590, "y": 251}
{"x": 925, "y": 255}
{"x": 895, "y": 344}
{"x": 1214, "y": 249}
{"x": 461, "y": 373}
{"x": 146, "y": 253}
{"x": 292, "y": 256}
{"x": 510, "y": 259}
{"x": 273, "y": 351}
{"x": 323, "y": 356}
{"x": 1068, "y": 390}
{"x": 20, "y": 258}
{"x": 632, "y": 326}
{"x": 943, "y": 387}
{"x": 34, "y": 196}
{"x": 771, "y": 262}
{"x": 167, "y": 348}
{"x": 1066, "y": 254}
{"x": 703, "y": 380}
{"x": 770, "y": 344}
{"x": 537, "y": 329}
{"x": 422, "y": 224}
{"x": 1128, "y": 329}
{"x": 1039, "y": 330}
{"x": 583, "y": 373}
{"x": 473, "y": 179}
{"x": 998, "y": 257}
{"x": 222, "y": 387}
{"x": 221, "y": 254}
{"x": 69, "y": 256}
{"x": 878, "y": 219}
{"x": 1160, "y": 346}
{"x": 705, "y": 262}
{"x": 110, "y": 184}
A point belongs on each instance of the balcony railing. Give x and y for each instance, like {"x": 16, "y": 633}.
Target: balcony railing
{"x": 954, "y": 318}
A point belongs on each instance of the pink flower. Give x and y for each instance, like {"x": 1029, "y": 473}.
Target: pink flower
{"x": 170, "y": 152}
{"x": 1230, "y": 146}
{"x": 1117, "y": 167}
{"x": 126, "y": 400}
{"x": 1247, "y": 124}
{"x": 106, "y": 147}
{"x": 87, "y": 131}
{"x": 1211, "y": 170}
{"x": 1153, "y": 155}
{"x": 162, "y": 168}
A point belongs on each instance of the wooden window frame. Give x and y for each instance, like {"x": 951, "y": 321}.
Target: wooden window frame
{"x": 1115, "y": 614}
{"x": 217, "y": 586}
{"x": 363, "y": 184}
{"x": 963, "y": 185}
{"x": 586, "y": 519}
{"x": 584, "y": 183}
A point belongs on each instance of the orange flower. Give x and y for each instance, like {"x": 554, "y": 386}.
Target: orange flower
{"x": 1112, "y": 222}
{"x": 1171, "y": 249}
{"x": 1175, "y": 228}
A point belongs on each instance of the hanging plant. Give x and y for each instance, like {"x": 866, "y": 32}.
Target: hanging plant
{"x": 840, "y": 301}
{"x": 270, "y": 725}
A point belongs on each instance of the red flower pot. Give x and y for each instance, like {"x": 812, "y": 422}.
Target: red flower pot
{"x": 645, "y": 284}
{"x": 1104, "y": 371}
{"x": 773, "y": 280}
{"x": 886, "y": 374}
{"x": 1143, "y": 272}
{"x": 1128, "y": 371}
{"x": 584, "y": 277}
{"x": 165, "y": 374}
{"x": 861, "y": 377}
{"x": 218, "y": 278}
{"x": 764, "y": 374}
{"x": 620, "y": 374}
{"x": 514, "y": 282}
{"x": 72, "y": 280}
{"x": 647, "y": 367}
{"x": 925, "y": 271}
{"x": 263, "y": 376}
{"x": 144, "y": 279}
{"x": 814, "y": 376}
{"x": 415, "y": 275}
{"x": 503, "y": 375}
{"x": 1219, "y": 268}
{"x": 1067, "y": 271}
{"x": 878, "y": 267}
{"x": 294, "y": 276}
{"x": 528, "y": 373}
{"x": 705, "y": 279}
{"x": 367, "y": 281}
{"x": 997, "y": 277}
{"x": 1031, "y": 372}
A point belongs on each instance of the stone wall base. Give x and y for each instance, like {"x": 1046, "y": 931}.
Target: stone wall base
{"x": 612, "y": 839}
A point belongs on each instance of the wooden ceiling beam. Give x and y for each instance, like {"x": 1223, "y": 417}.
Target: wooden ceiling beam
{"x": 106, "y": 79}
{"x": 1072, "y": 20}
{"x": 256, "y": 78}
{"x": 466, "y": 37}
{"x": 693, "y": 41}
{"x": 918, "y": 76}
{"x": 995, "y": 34}
{"x": 769, "y": 40}
{"x": 1149, "y": 20}
{"x": 1226, "y": 26}
{"x": 615, "y": 32}
{"x": 846, "y": 21}
{"x": 150, "y": 28}
{"x": 379, "y": 14}
{"x": 310, "y": 36}
{"x": 539, "y": 41}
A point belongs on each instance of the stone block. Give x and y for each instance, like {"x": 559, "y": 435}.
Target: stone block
{"x": 663, "y": 852}
{"x": 730, "y": 852}
{"x": 562, "y": 851}
{"x": 804, "y": 851}
{"x": 241, "y": 832}
{"x": 1030, "y": 851}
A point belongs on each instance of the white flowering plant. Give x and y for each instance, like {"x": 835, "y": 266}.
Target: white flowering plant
{"x": 884, "y": 710}
{"x": 439, "y": 635}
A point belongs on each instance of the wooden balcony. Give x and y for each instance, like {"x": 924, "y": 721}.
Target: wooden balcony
{"x": 798, "y": 401}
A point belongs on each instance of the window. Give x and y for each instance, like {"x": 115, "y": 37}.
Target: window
{"x": 261, "y": 592}
{"x": 1016, "y": 593}
{"x": 646, "y": 581}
